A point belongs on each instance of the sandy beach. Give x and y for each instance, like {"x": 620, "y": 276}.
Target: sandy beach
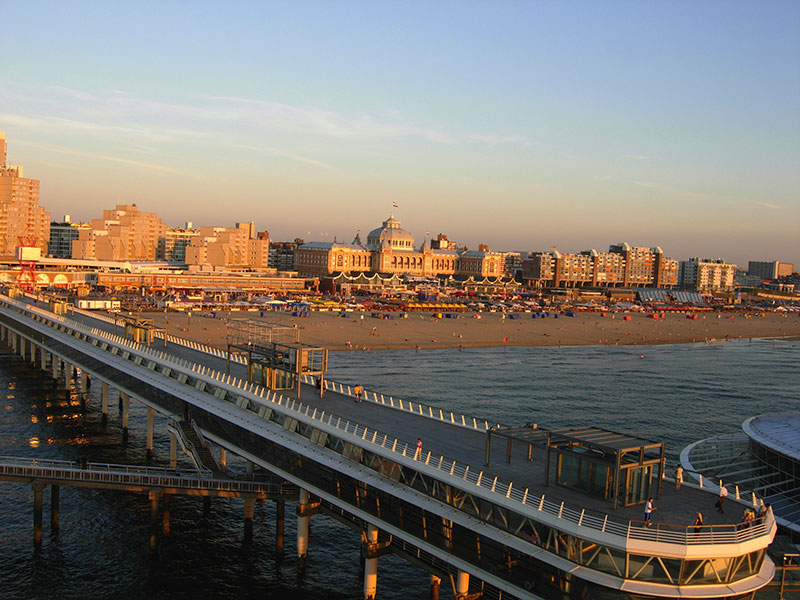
{"x": 420, "y": 330}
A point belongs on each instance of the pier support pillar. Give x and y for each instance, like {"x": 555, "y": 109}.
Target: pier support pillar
{"x": 371, "y": 565}
{"x": 436, "y": 582}
{"x": 223, "y": 458}
{"x": 155, "y": 497}
{"x": 165, "y": 515}
{"x": 42, "y": 358}
{"x": 173, "y": 451}
{"x": 67, "y": 374}
{"x": 280, "y": 519}
{"x": 104, "y": 398}
{"x": 54, "y": 364}
{"x": 22, "y": 347}
{"x": 302, "y": 530}
{"x": 126, "y": 404}
{"x": 54, "y": 499}
{"x": 150, "y": 417}
{"x": 38, "y": 488}
{"x": 33, "y": 354}
{"x": 462, "y": 584}
{"x": 249, "y": 513}
{"x": 84, "y": 388}
{"x": 249, "y": 466}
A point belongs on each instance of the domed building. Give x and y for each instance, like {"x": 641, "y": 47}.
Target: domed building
{"x": 390, "y": 232}
{"x": 390, "y": 250}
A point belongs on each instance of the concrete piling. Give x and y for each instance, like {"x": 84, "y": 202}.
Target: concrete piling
{"x": 165, "y": 515}
{"x": 462, "y": 584}
{"x": 55, "y": 493}
{"x": 126, "y": 404}
{"x": 302, "y": 530}
{"x": 436, "y": 582}
{"x": 280, "y": 518}
{"x": 371, "y": 565}
{"x": 38, "y": 488}
{"x": 155, "y": 497}
{"x": 150, "y": 419}
{"x": 104, "y": 395}
{"x": 249, "y": 512}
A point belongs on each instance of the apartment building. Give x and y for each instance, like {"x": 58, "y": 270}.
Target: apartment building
{"x": 123, "y": 234}
{"x": 22, "y": 220}
{"x": 707, "y": 275}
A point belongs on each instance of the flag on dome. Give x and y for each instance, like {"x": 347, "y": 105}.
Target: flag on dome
{"x": 394, "y": 204}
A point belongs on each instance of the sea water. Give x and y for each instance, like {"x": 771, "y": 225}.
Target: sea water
{"x": 674, "y": 393}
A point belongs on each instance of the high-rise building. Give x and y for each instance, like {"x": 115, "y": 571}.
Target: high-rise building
{"x": 228, "y": 247}
{"x": 62, "y": 235}
{"x": 621, "y": 266}
{"x": 22, "y": 220}
{"x": 281, "y": 254}
{"x": 769, "y": 269}
{"x": 707, "y": 275}
{"x": 172, "y": 246}
{"x": 123, "y": 234}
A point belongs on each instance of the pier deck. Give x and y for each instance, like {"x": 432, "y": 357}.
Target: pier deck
{"x": 468, "y": 446}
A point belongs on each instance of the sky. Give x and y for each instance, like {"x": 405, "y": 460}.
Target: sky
{"x": 522, "y": 125}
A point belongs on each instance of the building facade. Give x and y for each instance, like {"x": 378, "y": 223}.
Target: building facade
{"x": 390, "y": 249}
{"x": 622, "y": 266}
{"x": 172, "y": 246}
{"x": 228, "y": 247}
{"x": 123, "y": 234}
{"x": 281, "y": 254}
{"x": 62, "y": 235}
{"x": 707, "y": 275}
{"x": 22, "y": 221}
{"x": 769, "y": 269}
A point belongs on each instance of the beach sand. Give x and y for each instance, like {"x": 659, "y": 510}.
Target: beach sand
{"x": 421, "y": 330}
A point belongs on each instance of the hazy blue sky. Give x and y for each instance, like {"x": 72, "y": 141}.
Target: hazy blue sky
{"x": 524, "y": 125}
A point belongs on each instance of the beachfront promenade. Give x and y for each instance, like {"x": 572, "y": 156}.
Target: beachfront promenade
{"x": 501, "y": 523}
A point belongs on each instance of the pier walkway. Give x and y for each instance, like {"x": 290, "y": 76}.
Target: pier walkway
{"x": 519, "y": 535}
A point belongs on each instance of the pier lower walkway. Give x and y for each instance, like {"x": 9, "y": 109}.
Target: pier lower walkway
{"x": 133, "y": 478}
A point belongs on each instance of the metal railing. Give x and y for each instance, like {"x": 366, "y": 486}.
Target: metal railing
{"x": 460, "y": 475}
{"x": 106, "y": 473}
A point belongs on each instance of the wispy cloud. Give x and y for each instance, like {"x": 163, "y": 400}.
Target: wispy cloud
{"x": 63, "y": 125}
{"x": 770, "y": 205}
{"x": 99, "y": 156}
{"x": 637, "y": 157}
{"x": 91, "y": 111}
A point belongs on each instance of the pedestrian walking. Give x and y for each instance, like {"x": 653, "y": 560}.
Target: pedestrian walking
{"x": 648, "y": 512}
{"x": 678, "y": 477}
{"x": 320, "y": 386}
{"x": 723, "y": 493}
{"x": 419, "y": 449}
{"x": 358, "y": 390}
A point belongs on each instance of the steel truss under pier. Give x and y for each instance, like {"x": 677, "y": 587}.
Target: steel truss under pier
{"x": 448, "y": 513}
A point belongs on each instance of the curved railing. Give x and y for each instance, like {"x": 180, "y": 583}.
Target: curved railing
{"x": 458, "y": 474}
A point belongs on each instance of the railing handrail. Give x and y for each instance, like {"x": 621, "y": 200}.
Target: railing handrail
{"x": 157, "y": 476}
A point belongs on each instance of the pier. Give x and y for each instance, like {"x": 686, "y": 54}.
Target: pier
{"x": 481, "y": 505}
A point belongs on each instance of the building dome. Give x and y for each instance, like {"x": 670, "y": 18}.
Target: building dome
{"x": 391, "y": 235}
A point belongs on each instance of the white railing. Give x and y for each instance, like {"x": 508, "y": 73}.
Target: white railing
{"x": 416, "y": 408}
{"x": 459, "y": 474}
{"x": 129, "y": 475}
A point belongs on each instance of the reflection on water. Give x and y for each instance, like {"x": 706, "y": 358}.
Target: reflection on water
{"x": 676, "y": 394}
